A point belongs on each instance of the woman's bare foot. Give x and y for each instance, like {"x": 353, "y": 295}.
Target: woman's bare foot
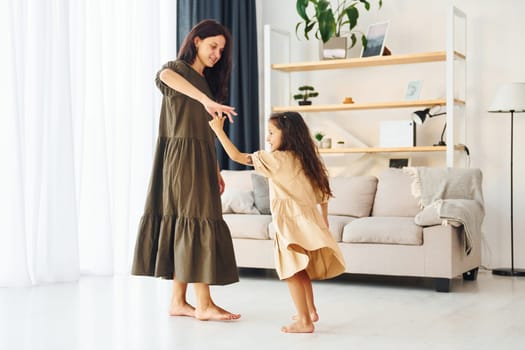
{"x": 215, "y": 313}
{"x": 299, "y": 327}
{"x": 182, "y": 310}
{"x": 313, "y": 316}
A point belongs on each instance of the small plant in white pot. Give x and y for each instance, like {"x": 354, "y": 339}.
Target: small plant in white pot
{"x": 318, "y": 136}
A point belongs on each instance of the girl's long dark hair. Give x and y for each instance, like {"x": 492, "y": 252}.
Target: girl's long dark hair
{"x": 296, "y": 138}
{"x": 219, "y": 75}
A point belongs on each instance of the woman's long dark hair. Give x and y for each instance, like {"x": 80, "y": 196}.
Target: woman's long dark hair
{"x": 296, "y": 138}
{"x": 219, "y": 75}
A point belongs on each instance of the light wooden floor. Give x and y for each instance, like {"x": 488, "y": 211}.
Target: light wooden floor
{"x": 357, "y": 312}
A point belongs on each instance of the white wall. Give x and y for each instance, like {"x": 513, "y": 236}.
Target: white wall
{"x": 495, "y": 55}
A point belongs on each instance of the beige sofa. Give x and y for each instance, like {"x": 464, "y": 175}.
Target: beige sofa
{"x": 377, "y": 222}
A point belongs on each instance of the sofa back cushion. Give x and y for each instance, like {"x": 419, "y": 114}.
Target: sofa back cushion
{"x": 353, "y": 196}
{"x": 394, "y": 194}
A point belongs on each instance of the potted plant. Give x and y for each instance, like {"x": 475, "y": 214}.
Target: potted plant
{"x": 318, "y": 136}
{"x": 330, "y": 23}
{"x": 307, "y": 92}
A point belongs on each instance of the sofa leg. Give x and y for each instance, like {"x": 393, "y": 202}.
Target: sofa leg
{"x": 442, "y": 285}
{"x": 471, "y": 275}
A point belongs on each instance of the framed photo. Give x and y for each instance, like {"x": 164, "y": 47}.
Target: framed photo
{"x": 398, "y": 162}
{"x": 413, "y": 90}
{"x": 375, "y": 36}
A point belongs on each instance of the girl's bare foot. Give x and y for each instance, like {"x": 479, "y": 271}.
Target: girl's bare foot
{"x": 182, "y": 310}
{"x": 313, "y": 316}
{"x": 215, "y": 313}
{"x": 299, "y": 327}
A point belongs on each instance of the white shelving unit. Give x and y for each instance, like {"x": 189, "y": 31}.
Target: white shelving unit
{"x": 454, "y": 101}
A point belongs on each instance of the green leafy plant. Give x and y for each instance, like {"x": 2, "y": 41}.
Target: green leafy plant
{"x": 307, "y": 92}
{"x": 319, "y": 136}
{"x": 331, "y": 22}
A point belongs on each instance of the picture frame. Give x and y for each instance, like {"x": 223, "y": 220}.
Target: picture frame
{"x": 413, "y": 90}
{"x": 398, "y": 162}
{"x": 375, "y": 36}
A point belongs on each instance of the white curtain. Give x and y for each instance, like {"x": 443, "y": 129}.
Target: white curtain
{"x": 79, "y": 113}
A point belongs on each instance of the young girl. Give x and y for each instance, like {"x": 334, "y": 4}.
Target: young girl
{"x": 304, "y": 247}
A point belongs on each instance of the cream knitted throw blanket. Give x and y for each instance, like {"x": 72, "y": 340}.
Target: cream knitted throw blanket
{"x": 455, "y": 192}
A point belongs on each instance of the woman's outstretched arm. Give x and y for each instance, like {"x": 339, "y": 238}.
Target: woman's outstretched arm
{"x": 177, "y": 82}
{"x": 217, "y": 124}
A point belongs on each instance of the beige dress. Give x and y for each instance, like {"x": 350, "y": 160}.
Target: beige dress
{"x": 302, "y": 241}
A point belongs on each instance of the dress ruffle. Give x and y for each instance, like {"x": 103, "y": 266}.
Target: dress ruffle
{"x": 313, "y": 250}
{"x": 192, "y": 249}
{"x": 182, "y": 231}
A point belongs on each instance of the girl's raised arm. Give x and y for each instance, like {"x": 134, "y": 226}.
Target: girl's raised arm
{"x": 217, "y": 124}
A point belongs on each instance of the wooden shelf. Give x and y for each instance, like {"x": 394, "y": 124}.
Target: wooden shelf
{"x": 390, "y": 149}
{"x": 437, "y": 56}
{"x": 362, "y": 106}
{"x": 453, "y": 54}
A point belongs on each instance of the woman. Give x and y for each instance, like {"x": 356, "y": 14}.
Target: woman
{"x": 182, "y": 234}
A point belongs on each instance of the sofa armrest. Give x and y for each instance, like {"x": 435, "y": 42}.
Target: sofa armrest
{"x": 445, "y": 255}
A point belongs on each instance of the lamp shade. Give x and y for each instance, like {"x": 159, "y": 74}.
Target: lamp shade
{"x": 510, "y": 97}
{"x": 420, "y": 116}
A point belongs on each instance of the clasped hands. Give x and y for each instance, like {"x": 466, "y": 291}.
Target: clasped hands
{"x": 217, "y": 123}
{"x": 219, "y": 111}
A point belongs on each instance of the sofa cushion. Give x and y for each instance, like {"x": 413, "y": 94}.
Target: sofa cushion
{"x": 353, "y": 196}
{"x": 394, "y": 195}
{"x": 261, "y": 193}
{"x": 388, "y": 230}
{"x": 248, "y": 226}
{"x": 337, "y": 223}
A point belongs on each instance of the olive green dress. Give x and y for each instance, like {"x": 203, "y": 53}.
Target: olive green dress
{"x": 182, "y": 231}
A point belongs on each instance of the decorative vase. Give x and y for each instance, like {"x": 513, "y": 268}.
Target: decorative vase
{"x": 326, "y": 142}
{"x": 305, "y": 103}
{"x": 333, "y": 48}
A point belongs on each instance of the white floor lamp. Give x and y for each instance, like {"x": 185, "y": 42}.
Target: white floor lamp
{"x": 510, "y": 99}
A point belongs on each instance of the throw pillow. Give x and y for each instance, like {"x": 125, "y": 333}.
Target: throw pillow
{"x": 237, "y": 179}
{"x": 239, "y": 202}
{"x": 261, "y": 192}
